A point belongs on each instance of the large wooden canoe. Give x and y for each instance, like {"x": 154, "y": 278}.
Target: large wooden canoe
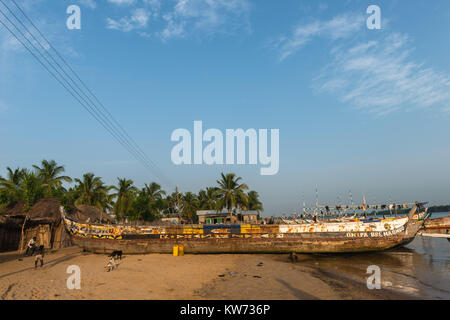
{"x": 321, "y": 237}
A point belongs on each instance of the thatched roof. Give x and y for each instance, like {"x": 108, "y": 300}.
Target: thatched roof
{"x": 94, "y": 214}
{"x": 48, "y": 209}
{"x": 15, "y": 209}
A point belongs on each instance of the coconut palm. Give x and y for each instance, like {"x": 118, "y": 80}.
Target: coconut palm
{"x": 32, "y": 188}
{"x": 50, "y": 173}
{"x": 154, "y": 191}
{"x": 231, "y": 193}
{"x": 11, "y": 186}
{"x": 140, "y": 208}
{"x": 254, "y": 204}
{"x": 190, "y": 205}
{"x": 208, "y": 199}
{"x": 124, "y": 196}
{"x": 90, "y": 190}
{"x": 174, "y": 203}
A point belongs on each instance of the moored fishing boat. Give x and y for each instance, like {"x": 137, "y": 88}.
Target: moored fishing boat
{"x": 319, "y": 237}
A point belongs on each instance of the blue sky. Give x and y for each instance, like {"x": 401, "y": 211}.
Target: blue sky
{"x": 357, "y": 109}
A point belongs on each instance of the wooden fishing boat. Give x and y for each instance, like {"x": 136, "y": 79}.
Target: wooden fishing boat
{"x": 321, "y": 237}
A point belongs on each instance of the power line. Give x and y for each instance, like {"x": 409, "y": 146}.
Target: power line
{"x": 84, "y": 85}
{"x": 75, "y": 94}
{"x": 125, "y": 136}
{"x": 89, "y": 108}
{"x": 107, "y": 121}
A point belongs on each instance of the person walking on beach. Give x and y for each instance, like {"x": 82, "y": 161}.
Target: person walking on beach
{"x": 39, "y": 257}
{"x": 31, "y": 247}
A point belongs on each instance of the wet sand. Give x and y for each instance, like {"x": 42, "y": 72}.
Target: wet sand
{"x": 160, "y": 276}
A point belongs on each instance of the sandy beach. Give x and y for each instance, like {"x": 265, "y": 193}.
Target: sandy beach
{"x": 159, "y": 276}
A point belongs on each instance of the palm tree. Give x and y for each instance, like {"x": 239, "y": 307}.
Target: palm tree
{"x": 50, "y": 173}
{"x": 190, "y": 205}
{"x": 32, "y": 188}
{"x": 208, "y": 199}
{"x": 125, "y": 195}
{"x": 231, "y": 193}
{"x": 254, "y": 204}
{"x": 15, "y": 177}
{"x": 90, "y": 191}
{"x": 154, "y": 191}
{"x": 11, "y": 187}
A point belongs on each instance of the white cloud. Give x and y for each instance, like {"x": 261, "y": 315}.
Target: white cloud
{"x": 89, "y": 3}
{"x": 9, "y": 43}
{"x": 173, "y": 28}
{"x": 154, "y": 4}
{"x": 122, "y": 2}
{"x": 339, "y": 27}
{"x": 380, "y": 77}
{"x": 204, "y": 16}
{"x": 138, "y": 20}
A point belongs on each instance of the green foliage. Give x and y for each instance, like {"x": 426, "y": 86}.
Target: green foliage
{"x": 125, "y": 200}
{"x": 231, "y": 193}
{"x": 33, "y": 189}
{"x": 50, "y": 175}
{"x": 142, "y": 209}
{"x": 125, "y": 195}
{"x": 92, "y": 191}
{"x": 190, "y": 206}
{"x": 254, "y": 204}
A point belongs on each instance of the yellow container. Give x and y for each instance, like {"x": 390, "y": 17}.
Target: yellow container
{"x": 175, "y": 251}
{"x": 180, "y": 250}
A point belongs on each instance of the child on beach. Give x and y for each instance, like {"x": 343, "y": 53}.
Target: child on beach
{"x": 111, "y": 265}
{"x": 39, "y": 257}
{"x": 31, "y": 247}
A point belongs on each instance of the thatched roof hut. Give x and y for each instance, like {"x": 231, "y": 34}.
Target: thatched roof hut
{"x": 91, "y": 214}
{"x": 48, "y": 210}
{"x": 43, "y": 221}
{"x": 12, "y": 210}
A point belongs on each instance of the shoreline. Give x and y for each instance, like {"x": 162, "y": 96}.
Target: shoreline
{"x": 189, "y": 277}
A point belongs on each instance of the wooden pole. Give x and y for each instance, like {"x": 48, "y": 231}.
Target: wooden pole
{"x": 22, "y": 235}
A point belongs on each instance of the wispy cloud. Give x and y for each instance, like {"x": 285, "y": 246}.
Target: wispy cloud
{"x": 122, "y": 2}
{"x": 205, "y": 17}
{"x": 138, "y": 20}
{"x": 8, "y": 43}
{"x": 381, "y": 77}
{"x": 154, "y": 4}
{"x": 89, "y": 3}
{"x": 339, "y": 27}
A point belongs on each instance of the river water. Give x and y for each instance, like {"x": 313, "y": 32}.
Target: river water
{"x": 421, "y": 269}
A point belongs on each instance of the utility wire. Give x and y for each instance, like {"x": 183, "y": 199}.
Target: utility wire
{"x": 113, "y": 127}
{"x": 82, "y": 82}
{"x": 97, "y": 116}
{"x": 74, "y": 94}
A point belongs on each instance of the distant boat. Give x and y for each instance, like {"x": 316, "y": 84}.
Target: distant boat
{"x": 365, "y": 235}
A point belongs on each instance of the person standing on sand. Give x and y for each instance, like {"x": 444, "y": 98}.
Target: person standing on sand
{"x": 31, "y": 247}
{"x": 39, "y": 257}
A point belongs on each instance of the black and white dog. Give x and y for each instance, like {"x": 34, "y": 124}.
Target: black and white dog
{"x": 116, "y": 254}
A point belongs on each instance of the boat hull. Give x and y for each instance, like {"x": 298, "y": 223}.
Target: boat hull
{"x": 322, "y": 237}
{"x": 294, "y": 243}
